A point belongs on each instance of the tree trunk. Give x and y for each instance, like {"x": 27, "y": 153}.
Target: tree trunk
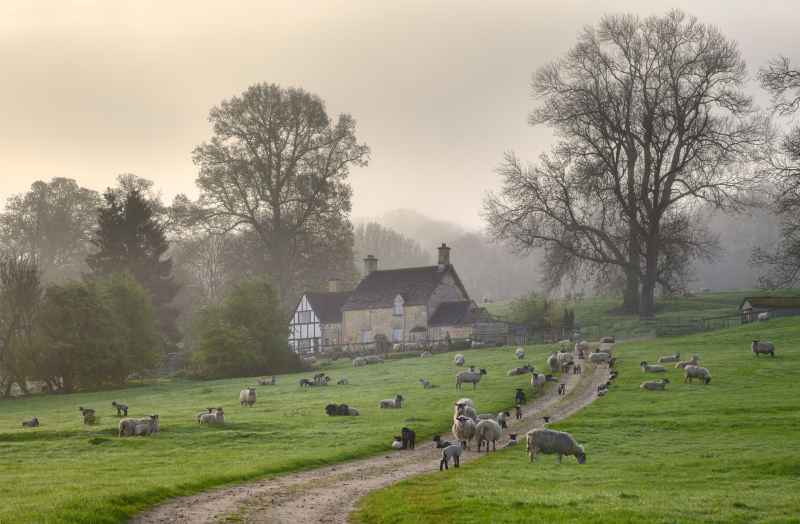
{"x": 630, "y": 300}
{"x": 647, "y": 306}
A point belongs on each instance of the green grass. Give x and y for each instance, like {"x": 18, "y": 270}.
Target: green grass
{"x": 727, "y": 452}
{"x": 66, "y": 472}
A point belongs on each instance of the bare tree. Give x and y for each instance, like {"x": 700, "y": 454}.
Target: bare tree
{"x": 278, "y": 165}
{"x": 652, "y": 119}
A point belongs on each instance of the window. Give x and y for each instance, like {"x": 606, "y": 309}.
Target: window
{"x": 365, "y": 336}
{"x": 397, "y": 335}
{"x": 398, "y": 306}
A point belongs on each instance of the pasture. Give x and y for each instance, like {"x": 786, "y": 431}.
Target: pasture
{"x": 726, "y": 452}
{"x": 64, "y": 471}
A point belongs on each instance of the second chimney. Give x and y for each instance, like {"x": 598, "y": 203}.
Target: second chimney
{"x": 444, "y": 256}
{"x": 370, "y": 264}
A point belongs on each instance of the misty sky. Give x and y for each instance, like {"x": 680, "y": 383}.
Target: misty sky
{"x": 91, "y": 89}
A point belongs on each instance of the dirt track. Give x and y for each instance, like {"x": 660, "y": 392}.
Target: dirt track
{"x": 329, "y": 494}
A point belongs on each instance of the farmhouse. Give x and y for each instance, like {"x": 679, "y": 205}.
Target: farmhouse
{"x": 420, "y": 304}
{"x": 773, "y": 306}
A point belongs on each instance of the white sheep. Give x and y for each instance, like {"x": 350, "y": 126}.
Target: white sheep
{"x": 655, "y": 385}
{"x": 463, "y": 430}
{"x": 392, "y": 403}
{"x": 127, "y": 427}
{"x": 469, "y": 377}
{"x": 452, "y": 451}
{"x": 692, "y": 372}
{"x": 599, "y": 356}
{"x": 216, "y": 417}
{"x": 552, "y": 362}
{"x": 538, "y": 380}
{"x": 763, "y": 316}
{"x": 458, "y": 360}
{"x": 520, "y": 353}
{"x": 247, "y": 397}
{"x": 649, "y": 368}
{"x": 549, "y": 441}
{"x": 359, "y": 361}
{"x": 488, "y": 431}
{"x": 691, "y": 362}
{"x": 669, "y": 358}
{"x": 763, "y": 348}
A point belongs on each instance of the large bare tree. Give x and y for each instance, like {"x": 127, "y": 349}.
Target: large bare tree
{"x": 651, "y": 120}
{"x": 277, "y": 165}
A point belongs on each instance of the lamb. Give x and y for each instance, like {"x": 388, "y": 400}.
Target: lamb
{"x": 122, "y": 409}
{"x": 127, "y": 427}
{"x": 397, "y": 443}
{"x": 217, "y": 417}
{"x": 524, "y": 370}
{"x": 552, "y": 362}
{"x": 549, "y": 441}
{"x": 519, "y": 353}
{"x": 488, "y": 431}
{"x": 763, "y": 348}
{"x": 691, "y": 362}
{"x": 519, "y": 397}
{"x": 392, "y": 403}
{"x": 88, "y": 415}
{"x": 599, "y": 356}
{"x": 464, "y": 430}
{"x": 458, "y": 360}
{"x": 441, "y": 444}
{"x": 764, "y": 315}
{"x": 451, "y": 452}
{"x": 692, "y": 372}
{"x": 426, "y": 384}
{"x": 32, "y": 423}
{"x": 647, "y": 368}
{"x": 655, "y": 385}
{"x": 359, "y": 361}
{"x": 409, "y": 438}
{"x": 466, "y": 410}
{"x": 467, "y": 377}
{"x": 247, "y": 397}
{"x": 669, "y": 358}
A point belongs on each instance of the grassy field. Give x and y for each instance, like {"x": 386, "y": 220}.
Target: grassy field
{"x": 66, "y": 472}
{"x": 726, "y": 452}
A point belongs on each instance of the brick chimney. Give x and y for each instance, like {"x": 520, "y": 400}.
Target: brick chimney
{"x": 334, "y": 285}
{"x": 444, "y": 256}
{"x": 370, "y": 264}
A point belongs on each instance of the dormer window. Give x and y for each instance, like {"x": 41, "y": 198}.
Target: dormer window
{"x": 398, "y": 306}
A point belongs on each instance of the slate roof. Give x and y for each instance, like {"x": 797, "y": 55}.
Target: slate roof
{"x": 328, "y": 306}
{"x": 415, "y": 285}
{"x": 772, "y": 302}
{"x": 452, "y": 313}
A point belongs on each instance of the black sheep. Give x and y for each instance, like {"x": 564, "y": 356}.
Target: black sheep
{"x": 519, "y": 398}
{"x": 409, "y": 438}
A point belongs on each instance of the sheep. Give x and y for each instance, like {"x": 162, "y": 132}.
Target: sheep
{"x": 763, "y": 348}
{"x": 500, "y": 418}
{"x": 247, "y": 397}
{"x": 524, "y": 370}
{"x": 122, "y": 409}
{"x": 451, "y": 452}
{"x": 409, "y": 438}
{"x": 466, "y": 410}
{"x": 519, "y": 353}
{"x": 763, "y": 316}
{"x": 217, "y": 416}
{"x": 32, "y": 423}
{"x": 392, "y": 403}
{"x": 655, "y": 385}
{"x": 343, "y": 381}
{"x": 692, "y": 372}
{"x": 669, "y": 358}
{"x": 359, "y": 361}
{"x": 397, "y": 443}
{"x": 691, "y": 362}
{"x": 148, "y": 426}
{"x": 127, "y": 427}
{"x": 88, "y": 415}
{"x": 549, "y": 441}
{"x": 537, "y": 380}
{"x": 267, "y": 382}
{"x": 441, "y": 444}
{"x": 426, "y": 384}
{"x": 425, "y": 354}
{"x": 648, "y": 368}
{"x": 464, "y": 430}
{"x": 564, "y": 358}
{"x": 321, "y": 379}
{"x": 467, "y": 377}
{"x": 304, "y": 382}
{"x": 488, "y": 431}
{"x": 599, "y": 356}
{"x": 552, "y": 362}
{"x": 458, "y": 360}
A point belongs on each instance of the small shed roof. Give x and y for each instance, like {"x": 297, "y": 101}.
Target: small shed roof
{"x": 328, "y": 306}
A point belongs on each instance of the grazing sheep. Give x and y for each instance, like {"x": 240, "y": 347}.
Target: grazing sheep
{"x": 440, "y": 444}
{"x": 695, "y": 360}
{"x": 552, "y": 362}
{"x": 122, "y": 409}
{"x": 464, "y": 430}
{"x": 537, "y": 380}
{"x": 343, "y": 381}
{"x": 655, "y": 385}
{"x": 520, "y": 353}
{"x": 426, "y": 384}
{"x": 648, "y": 368}
{"x": 518, "y": 412}
{"x": 247, "y": 397}
{"x": 451, "y": 452}
{"x": 409, "y": 438}
{"x": 88, "y": 415}
{"x": 458, "y": 360}
{"x": 763, "y": 316}
{"x": 467, "y": 377}
{"x": 549, "y": 441}
{"x": 359, "y": 361}
{"x": 692, "y": 372}
{"x": 267, "y": 382}
{"x": 519, "y": 396}
{"x": 392, "y": 403}
{"x": 669, "y": 358}
{"x": 127, "y": 427}
{"x": 599, "y": 356}
{"x": 488, "y": 431}
{"x": 32, "y": 423}
{"x": 397, "y": 443}
{"x": 524, "y": 370}
{"x": 217, "y": 416}
{"x": 465, "y": 410}
{"x": 425, "y": 354}
{"x": 763, "y": 348}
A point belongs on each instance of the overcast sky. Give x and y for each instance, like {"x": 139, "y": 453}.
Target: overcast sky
{"x": 91, "y": 89}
